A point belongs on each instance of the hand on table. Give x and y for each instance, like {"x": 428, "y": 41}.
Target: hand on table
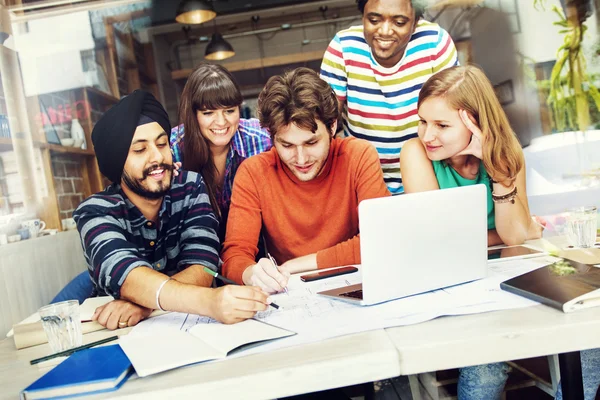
{"x": 231, "y": 304}
{"x": 536, "y": 227}
{"x": 266, "y": 276}
{"x": 120, "y": 314}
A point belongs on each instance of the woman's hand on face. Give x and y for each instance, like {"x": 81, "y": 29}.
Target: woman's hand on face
{"x": 475, "y": 146}
{"x": 176, "y": 168}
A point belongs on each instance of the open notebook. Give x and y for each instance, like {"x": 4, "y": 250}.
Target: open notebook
{"x": 566, "y": 284}
{"x": 164, "y": 350}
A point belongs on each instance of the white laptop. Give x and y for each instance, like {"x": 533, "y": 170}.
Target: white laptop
{"x": 415, "y": 243}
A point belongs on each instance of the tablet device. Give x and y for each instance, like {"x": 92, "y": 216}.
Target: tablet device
{"x": 512, "y": 252}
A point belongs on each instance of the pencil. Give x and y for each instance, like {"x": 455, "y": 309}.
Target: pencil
{"x": 285, "y": 289}
{"x": 216, "y": 275}
{"x": 73, "y": 350}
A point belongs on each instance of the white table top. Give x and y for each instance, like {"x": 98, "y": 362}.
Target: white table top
{"x": 451, "y": 342}
{"x": 338, "y": 362}
{"x": 443, "y": 343}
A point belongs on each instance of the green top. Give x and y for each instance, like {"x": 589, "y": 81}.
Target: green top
{"x": 447, "y": 177}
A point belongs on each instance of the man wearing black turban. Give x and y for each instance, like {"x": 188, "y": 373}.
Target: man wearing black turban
{"x": 148, "y": 237}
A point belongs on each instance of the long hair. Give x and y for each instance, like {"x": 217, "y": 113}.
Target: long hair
{"x": 209, "y": 87}
{"x": 468, "y": 88}
{"x": 300, "y": 97}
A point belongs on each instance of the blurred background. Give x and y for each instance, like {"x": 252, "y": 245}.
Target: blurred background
{"x": 63, "y": 63}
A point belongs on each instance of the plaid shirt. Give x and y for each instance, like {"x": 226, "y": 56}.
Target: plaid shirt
{"x": 116, "y": 237}
{"x": 249, "y": 140}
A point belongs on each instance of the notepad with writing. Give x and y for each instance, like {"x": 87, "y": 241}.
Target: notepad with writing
{"x": 153, "y": 353}
{"x": 566, "y": 285}
{"x": 95, "y": 370}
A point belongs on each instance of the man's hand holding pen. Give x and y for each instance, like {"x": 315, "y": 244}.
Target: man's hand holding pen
{"x": 266, "y": 275}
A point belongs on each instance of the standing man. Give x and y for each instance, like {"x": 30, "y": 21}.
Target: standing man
{"x": 304, "y": 192}
{"x": 147, "y": 237}
{"x": 377, "y": 71}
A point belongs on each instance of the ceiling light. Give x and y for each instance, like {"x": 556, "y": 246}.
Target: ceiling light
{"x": 218, "y": 48}
{"x": 195, "y": 12}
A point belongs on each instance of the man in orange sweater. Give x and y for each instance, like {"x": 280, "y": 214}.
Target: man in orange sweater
{"x": 304, "y": 192}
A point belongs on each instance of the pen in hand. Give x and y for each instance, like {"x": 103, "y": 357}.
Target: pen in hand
{"x": 216, "y": 275}
{"x": 285, "y": 289}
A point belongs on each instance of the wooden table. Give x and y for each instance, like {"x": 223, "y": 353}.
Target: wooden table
{"x": 338, "y": 362}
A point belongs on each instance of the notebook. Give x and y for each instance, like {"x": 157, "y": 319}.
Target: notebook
{"x": 95, "y": 370}
{"x": 415, "y": 243}
{"x": 165, "y": 350}
{"x": 567, "y": 285}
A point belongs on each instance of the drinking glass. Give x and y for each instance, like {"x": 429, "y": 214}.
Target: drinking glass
{"x": 582, "y": 226}
{"x": 62, "y": 325}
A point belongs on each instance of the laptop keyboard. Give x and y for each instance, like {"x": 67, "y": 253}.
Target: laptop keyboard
{"x": 355, "y": 294}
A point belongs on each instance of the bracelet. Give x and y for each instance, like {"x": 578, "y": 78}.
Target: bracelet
{"x": 500, "y": 183}
{"x": 506, "y": 198}
{"x": 158, "y": 294}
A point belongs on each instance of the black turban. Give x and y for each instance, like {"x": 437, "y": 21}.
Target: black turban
{"x": 113, "y": 133}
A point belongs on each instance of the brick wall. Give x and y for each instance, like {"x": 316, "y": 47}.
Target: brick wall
{"x": 68, "y": 183}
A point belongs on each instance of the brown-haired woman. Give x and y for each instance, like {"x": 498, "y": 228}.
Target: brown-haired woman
{"x": 213, "y": 140}
{"x": 465, "y": 139}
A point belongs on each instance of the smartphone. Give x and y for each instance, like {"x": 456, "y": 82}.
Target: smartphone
{"x": 327, "y": 274}
{"x": 513, "y": 252}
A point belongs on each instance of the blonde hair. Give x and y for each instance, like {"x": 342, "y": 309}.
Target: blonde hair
{"x": 467, "y": 88}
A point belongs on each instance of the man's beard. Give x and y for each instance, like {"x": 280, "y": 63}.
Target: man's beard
{"x": 136, "y": 187}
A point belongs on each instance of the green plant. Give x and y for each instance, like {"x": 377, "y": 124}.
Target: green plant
{"x": 571, "y": 89}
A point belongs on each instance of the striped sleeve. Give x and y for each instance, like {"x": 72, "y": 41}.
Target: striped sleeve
{"x": 109, "y": 255}
{"x": 445, "y": 52}
{"x": 333, "y": 68}
{"x": 176, "y": 142}
{"x": 252, "y": 138}
{"x": 199, "y": 242}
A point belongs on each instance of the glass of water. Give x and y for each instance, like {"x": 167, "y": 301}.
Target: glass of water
{"x": 582, "y": 225}
{"x": 62, "y": 325}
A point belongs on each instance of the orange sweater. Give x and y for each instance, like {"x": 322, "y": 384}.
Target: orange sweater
{"x": 300, "y": 218}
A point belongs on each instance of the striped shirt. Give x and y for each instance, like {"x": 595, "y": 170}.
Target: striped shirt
{"x": 117, "y": 238}
{"x": 249, "y": 140}
{"x": 381, "y": 103}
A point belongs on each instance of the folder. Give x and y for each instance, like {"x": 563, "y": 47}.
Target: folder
{"x": 95, "y": 370}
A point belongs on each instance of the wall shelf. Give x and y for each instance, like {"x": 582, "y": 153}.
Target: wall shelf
{"x": 258, "y": 63}
{"x": 57, "y": 148}
{"x": 106, "y": 96}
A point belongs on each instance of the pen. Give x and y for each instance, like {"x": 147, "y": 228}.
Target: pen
{"x": 73, "y": 350}
{"x": 285, "y": 289}
{"x": 216, "y": 275}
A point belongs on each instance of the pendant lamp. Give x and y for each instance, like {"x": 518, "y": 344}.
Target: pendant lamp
{"x": 218, "y": 48}
{"x": 195, "y": 12}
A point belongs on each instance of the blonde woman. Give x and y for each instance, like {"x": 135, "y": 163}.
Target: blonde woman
{"x": 465, "y": 139}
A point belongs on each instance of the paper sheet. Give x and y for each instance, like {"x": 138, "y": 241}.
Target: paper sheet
{"x": 315, "y": 318}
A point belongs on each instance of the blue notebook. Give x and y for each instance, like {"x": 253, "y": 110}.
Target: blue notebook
{"x": 99, "y": 369}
